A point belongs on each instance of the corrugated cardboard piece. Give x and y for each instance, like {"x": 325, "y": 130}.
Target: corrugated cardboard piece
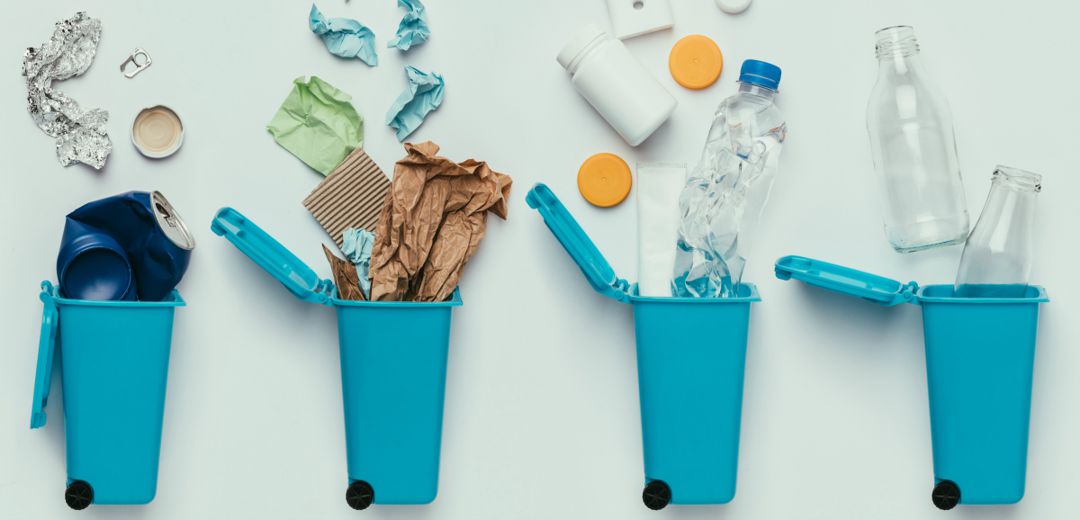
{"x": 351, "y": 196}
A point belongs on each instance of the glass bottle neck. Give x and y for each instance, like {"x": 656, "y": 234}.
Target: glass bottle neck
{"x": 1009, "y": 206}
{"x": 1016, "y": 180}
{"x": 897, "y": 43}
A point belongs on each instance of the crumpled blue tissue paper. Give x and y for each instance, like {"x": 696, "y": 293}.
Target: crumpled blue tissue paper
{"x": 413, "y": 29}
{"x": 344, "y": 37}
{"x": 356, "y": 244}
{"x": 424, "y": 95}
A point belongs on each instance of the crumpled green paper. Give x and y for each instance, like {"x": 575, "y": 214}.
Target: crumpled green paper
{"x": 318, "y": 124}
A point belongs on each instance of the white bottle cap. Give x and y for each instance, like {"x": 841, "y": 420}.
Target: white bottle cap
{"x": 733, "y": 6}
{"x": 579, "y": 43}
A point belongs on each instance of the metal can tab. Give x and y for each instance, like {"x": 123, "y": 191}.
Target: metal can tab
{"x": 137, "y": 62}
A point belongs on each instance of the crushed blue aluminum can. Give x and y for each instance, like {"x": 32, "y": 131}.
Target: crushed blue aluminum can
{"x": 125, "y": 247}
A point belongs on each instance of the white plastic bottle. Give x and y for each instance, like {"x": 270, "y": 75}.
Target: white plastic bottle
{"x": 604, "y": 72}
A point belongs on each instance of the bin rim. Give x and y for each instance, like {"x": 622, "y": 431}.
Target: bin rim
{"x": 753, "y": 296}
{"x": 1039, "y": 297}
{"x": 880, "y": 289}
{"x": 174, "y": 300}
{"x": 454, "y": 301}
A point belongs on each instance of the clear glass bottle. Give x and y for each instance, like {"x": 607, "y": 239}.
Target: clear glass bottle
{"x": 914, "y": 149}
{"x": 997, "y": 256}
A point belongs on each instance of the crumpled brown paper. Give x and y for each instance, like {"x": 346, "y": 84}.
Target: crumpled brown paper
{"x": 431, "y": 224}
{"x": 346, "y": 278}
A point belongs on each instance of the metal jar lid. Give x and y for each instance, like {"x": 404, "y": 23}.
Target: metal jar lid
{"x": 157, "y": 132}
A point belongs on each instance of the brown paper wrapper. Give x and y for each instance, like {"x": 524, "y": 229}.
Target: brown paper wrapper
{"x": 431, "y": 224}
{"x": 345, "y": 277}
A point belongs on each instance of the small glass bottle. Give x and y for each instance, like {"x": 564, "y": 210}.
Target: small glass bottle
{"x": 914, "y": 149}
{"x": 997, "y": 256}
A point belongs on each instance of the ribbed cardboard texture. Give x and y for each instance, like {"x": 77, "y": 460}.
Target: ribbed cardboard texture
{"x": 351, "y": 196}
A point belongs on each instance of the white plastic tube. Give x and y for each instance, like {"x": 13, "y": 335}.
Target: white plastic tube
{"x": 658, "y": 188}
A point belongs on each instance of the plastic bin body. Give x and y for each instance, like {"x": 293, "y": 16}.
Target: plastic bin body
{"x": 393, "y": 379}
{"x": 691, "y": 386}
{"x": 980, "y": 356}
{"x": 393, "y": 371}
{"x": 979, "y": 363}
{"x": 114, "y": 367}
{"x": 691, "y": 356}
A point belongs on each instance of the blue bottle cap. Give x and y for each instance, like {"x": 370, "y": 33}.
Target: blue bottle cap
{"x": 760, "y": 73}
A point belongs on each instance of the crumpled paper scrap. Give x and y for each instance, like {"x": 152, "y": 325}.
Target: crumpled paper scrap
{"x": 81, "y": 136}
{"x": 357, "y": 245}
{"x": 345, "y": 277}
{"x": 344, "y": 37}
{"x": 424, "y": 95}
{"x": 432, "y": 223}
{"x": 413, "y": 29}
{"x": 318, "y": 124}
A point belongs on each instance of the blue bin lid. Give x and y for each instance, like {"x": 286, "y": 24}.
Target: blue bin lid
{"x": 46, "y": 350}
{"x": 273, "y": 257}
{"x": 878, "y": 289}
{"x": 592, "y": 263}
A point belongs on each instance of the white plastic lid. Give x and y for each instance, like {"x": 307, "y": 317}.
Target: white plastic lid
{"x": 733, "y": 6}
{"x": 580, "y": 42}
{"x": 632, "y": 18}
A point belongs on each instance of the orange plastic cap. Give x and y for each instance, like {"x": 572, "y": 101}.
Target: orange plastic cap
{"x": 604, "y": 180}
{"x": 695, "y": 62}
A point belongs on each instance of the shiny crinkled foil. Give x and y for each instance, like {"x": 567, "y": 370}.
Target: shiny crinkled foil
{"x": 80, "y": 135}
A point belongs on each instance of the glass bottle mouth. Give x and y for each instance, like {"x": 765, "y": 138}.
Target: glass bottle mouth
{"x": 897, "y": 40}
{"x": 1017, "y": 178}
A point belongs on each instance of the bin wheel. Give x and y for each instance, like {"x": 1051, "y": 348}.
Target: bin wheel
{"x": 946, "y": 495}
{"x": 657, "y": 495}
{"x": 79, "y": 495}
{"x": 360, "y": 495}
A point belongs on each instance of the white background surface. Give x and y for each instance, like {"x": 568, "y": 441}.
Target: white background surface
{"x": 541, "y": 405}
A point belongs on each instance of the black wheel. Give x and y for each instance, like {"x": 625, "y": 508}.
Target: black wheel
{"x": 946, "y": 495}
{"x": 360, "y": 495}
{"x": 657, "y": 495}
{"x": 79, "y": 495}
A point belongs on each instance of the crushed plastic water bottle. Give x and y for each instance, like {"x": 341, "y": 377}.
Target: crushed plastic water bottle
{"x": 733, "y": 179}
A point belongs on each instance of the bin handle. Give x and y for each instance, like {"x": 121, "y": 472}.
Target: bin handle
{"x": 46, "y": 350}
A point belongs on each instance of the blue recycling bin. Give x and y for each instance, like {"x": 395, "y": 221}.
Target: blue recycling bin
{"x": 690, "y": 378}
{"x": 393, "y": 374}
{"x": 114, "y": 363}
{"x": 980, "y": 355}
